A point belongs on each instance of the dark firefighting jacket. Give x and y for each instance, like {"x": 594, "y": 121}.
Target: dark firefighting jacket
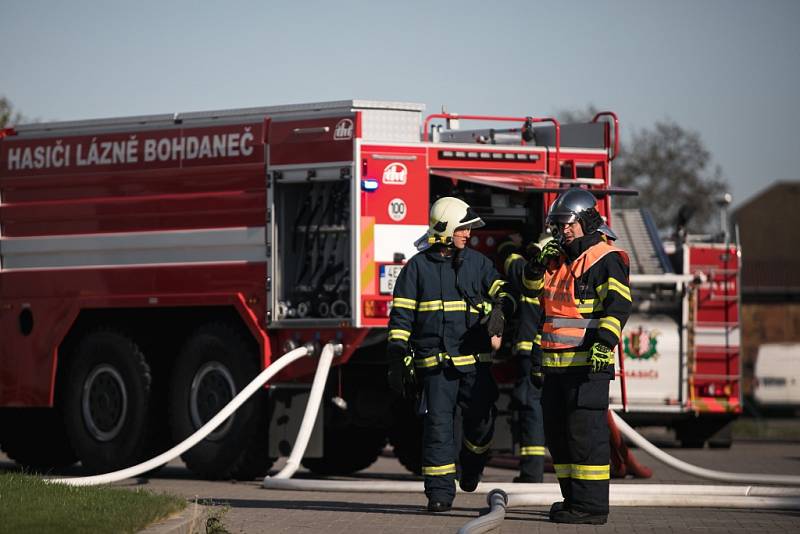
{"x": 601, "y": 300}
{"x": 529, "y": 308}
{"x": 439, "y": 321}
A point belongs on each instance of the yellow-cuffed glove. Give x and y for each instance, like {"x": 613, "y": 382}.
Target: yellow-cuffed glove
{"x": 602, "y": 357}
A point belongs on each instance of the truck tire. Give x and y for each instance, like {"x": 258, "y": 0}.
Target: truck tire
{"x": 346, "y": 450}
{"x": 35, "y": 438}
{"x": 718, "y": 431}
{"x": 106, "y": 402}
{"x": 215, "y": 363}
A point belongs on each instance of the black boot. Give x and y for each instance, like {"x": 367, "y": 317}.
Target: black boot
{"x": 557, "y": 507}
{"x": 469, "y": 482}
{"x": 579, "y": 518}
{"x": 439, "y": 506}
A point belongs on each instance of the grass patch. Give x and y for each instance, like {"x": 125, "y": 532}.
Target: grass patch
{"x": 29, "y": 504}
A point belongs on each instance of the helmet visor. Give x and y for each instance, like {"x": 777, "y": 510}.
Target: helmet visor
{"x": 561, "y": 218}
{"x": 470, "y": 221}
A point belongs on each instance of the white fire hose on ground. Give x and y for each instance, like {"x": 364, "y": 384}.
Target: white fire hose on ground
{"x": 204, "y": 430}
{"x": 680, "y": 465}
{"x": 500, "y": 496}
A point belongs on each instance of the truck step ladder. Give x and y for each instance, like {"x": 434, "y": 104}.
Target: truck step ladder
{"x": 637, "y": 235}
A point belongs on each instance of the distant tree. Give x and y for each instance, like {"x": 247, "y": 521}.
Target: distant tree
{"x": 8, "y": 117}
{"x": 671, "y": 168}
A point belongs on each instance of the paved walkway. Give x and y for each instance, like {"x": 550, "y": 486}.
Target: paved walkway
{"x": 245, "y": 507}
{"x": 248, "y": 508}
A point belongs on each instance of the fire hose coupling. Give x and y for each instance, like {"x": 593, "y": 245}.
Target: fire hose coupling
{"x": 497, "y": 492}
{"x": 314, "y": 348}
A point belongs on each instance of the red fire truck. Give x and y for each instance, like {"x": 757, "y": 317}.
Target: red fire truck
{"x": 152, "y": 266}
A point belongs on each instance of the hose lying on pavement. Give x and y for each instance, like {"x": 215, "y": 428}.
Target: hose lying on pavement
{"x": 546, "y": 494}
{"x": 651, "y": 495}
{"x": 680, "y": 465}
{"x": 201, "y": 433}
{"x": 499, "y": 502}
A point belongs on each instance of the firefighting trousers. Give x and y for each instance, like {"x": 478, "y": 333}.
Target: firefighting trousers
{"x": 527, "y": 407}
{"x": 475, "y": 393}
{"x": 576, "y": 430}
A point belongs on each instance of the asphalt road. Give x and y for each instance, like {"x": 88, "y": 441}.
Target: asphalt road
{"x": 249, "y": 508}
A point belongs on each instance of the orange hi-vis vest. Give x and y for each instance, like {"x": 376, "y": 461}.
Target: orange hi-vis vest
{"x": 564, "y": 326}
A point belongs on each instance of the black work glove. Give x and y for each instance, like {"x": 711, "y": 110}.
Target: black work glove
{"x": 602, "y": 356}
{"x": 495, "y": 321}
{"x": 400, "y": 375}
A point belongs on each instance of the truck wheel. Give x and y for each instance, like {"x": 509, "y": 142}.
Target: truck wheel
{"x": 215, "y": 364}
{"x": 406, "y": 438}
{"x": 106, "y": 401}
{"x": 35, "y": 438}
{"x": 347, "y": 449}
{"x": 718, "y": 431}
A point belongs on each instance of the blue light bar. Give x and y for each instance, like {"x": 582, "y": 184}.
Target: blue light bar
{"x": 369, "y": 184}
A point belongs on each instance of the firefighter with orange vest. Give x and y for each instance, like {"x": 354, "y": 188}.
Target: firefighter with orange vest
{"x": 582, "y": 281}
{"x": 448, "y": 313}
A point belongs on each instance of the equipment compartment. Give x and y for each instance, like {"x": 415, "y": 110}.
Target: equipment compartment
{"x": 312, "y": 226}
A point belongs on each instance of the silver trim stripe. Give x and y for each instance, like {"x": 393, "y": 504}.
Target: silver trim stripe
{"x": 135, "y": 248}
{"x": 566, "y": 322}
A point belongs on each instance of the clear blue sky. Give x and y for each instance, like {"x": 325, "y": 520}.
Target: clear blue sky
{"x": 729, "y": 69}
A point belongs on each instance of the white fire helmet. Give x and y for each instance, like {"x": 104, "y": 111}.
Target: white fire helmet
{"x": 447, "y": 215}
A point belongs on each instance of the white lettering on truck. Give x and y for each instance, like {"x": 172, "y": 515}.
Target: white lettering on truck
{"x": 40, "y": 157}
{"x": 98, "y": 152}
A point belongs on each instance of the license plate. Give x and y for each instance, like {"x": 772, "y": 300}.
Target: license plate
{"x": 389, "y": 274}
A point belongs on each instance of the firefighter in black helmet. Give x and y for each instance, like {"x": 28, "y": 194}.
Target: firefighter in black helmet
{"x": 449, "y": 303}
{"x": 582, "y": 282}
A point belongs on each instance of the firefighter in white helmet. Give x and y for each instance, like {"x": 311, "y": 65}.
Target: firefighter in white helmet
{"x": 449, "y": 302}
{"x": 581, "y": 280}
